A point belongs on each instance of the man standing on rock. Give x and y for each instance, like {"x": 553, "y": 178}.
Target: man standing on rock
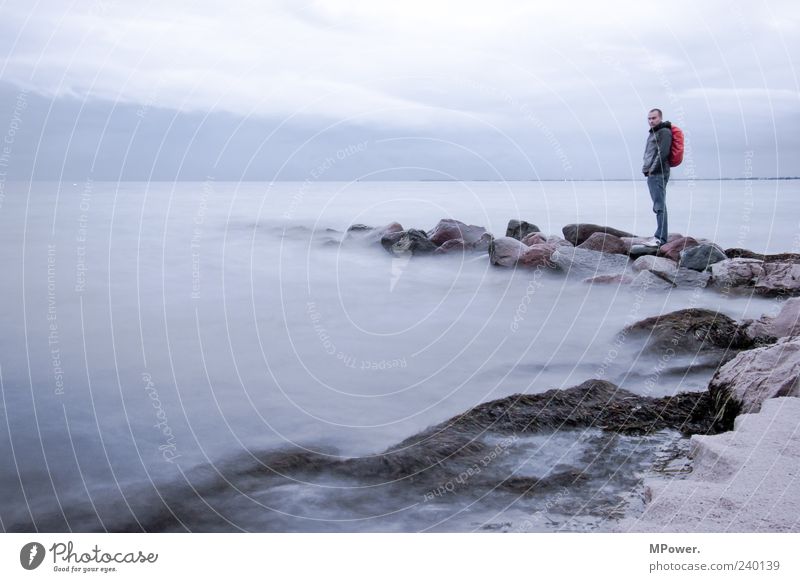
{"x": 656, "y": 168}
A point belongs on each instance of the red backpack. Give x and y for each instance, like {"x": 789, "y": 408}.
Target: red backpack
{"x": 676, "y": 151}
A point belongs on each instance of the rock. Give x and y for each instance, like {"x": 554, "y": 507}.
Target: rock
{"x": 539, "y": 255}
{"x": 778, "y": 278}
{"x": 482, "y": 244}
{"x": 689, "y": 278}
{"x": 519, "y": 229}
{"x": 700, "y": 257}
{"x": 585, "y": 263}
{"x": 672, "y": 250}
{"x": 673, "y": 236}
{"x": 767, "y": 329}
{"x": 453, "y": 245}
{"x": 557, "y": 240}
{"x": 633, "y": 241}
{"x": 370, "y": 235}
{"x": 660, "y": 265}
{"x": 619, "y": 279}
{"x": 579, "y": 232}
{"x": 691, "y": 331}
{"x": 606, "y": 243}
{"x": 448, "y": 229}
{"x": 637, "y": 251}
{"x": 736, "y": 253}
{"x": 506, "y": 251}
{"x": 534, "y": 238}
{"x": 744, "y": 480}
{"x": 735, "y": 273}
{"x": 408, "y": 241}
{"x": 651, "y": 280}
{"x": 743, "y": 384}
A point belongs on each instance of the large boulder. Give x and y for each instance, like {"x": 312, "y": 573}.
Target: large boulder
{"x": 767, "y": 328}
{"x": 640, "y": 250}
{"x": 700, "y": 257}
{"x": 606, "y": 243}
{"x": 585, "y": 263}
{"x": 408, "y": 241}
{"x": 672, "y": 249}
{"x": 689, "y": 278}
{"x": 579, "y": 232}
{"x": 651, "y": 280}
{"x": 506, "y": 251}
{"x": 692, "y": 331}
{"x": 753, "y": 376}
{"x": 660, "y": 265}
{"x": 449, "y": 229}
{"x": 453, "y": 245}
{"x": 519, "y": 229}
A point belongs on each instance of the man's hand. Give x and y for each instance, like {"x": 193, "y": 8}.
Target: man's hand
{"x": 645, "y": 172}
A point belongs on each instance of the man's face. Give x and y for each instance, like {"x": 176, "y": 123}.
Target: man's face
{"x": 653, "y": 118}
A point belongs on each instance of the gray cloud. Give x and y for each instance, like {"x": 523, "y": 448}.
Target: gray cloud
{"x": 458, "y": 89}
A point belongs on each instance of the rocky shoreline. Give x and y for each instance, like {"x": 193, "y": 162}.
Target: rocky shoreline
{"x": 756, "y": 363}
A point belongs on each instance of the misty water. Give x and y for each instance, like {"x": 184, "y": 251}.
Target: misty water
{"x": 160, "y": 340}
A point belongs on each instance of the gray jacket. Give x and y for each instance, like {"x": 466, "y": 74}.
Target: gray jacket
{"x": 656, "y": 149}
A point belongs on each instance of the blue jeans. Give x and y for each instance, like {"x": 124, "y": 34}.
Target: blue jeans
{"x": 657, "y": 184}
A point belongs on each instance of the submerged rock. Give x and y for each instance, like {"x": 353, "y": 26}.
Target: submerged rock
{"x": 701, "y": 332}
{"x": 408, "y": 241}
{"x": 580, "y": 232}
{"x": 585, "y": 263}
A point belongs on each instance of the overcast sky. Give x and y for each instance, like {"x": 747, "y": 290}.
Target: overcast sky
{"x": 423, "y": 89}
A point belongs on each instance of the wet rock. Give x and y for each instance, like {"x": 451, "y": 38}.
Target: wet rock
{"x": 519, "y": 229}
{"x": 534, "y": 238}
{"x": 767, "y": 329}
{"x": 538, "y": 255}
{"x": 506, "y": 251}
{"x": 691, "y": 331}
{"x": 672, "y": 249}
{"x": 700, "y": 257}
{"x": 449, "y": 229}
{"x": 606, "y": 243}
{"x": 579, "y": 232}
{"x": 557, "y": 240}
{"x": 585, "y": 263}
{"x": 736, "y": 253}
{"x": 753, "y": 376}
{"x": 408, "y": 241}
{"x": 661, "y": 265}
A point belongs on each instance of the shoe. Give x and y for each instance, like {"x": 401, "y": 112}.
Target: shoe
{"x": 651, "y": 242}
